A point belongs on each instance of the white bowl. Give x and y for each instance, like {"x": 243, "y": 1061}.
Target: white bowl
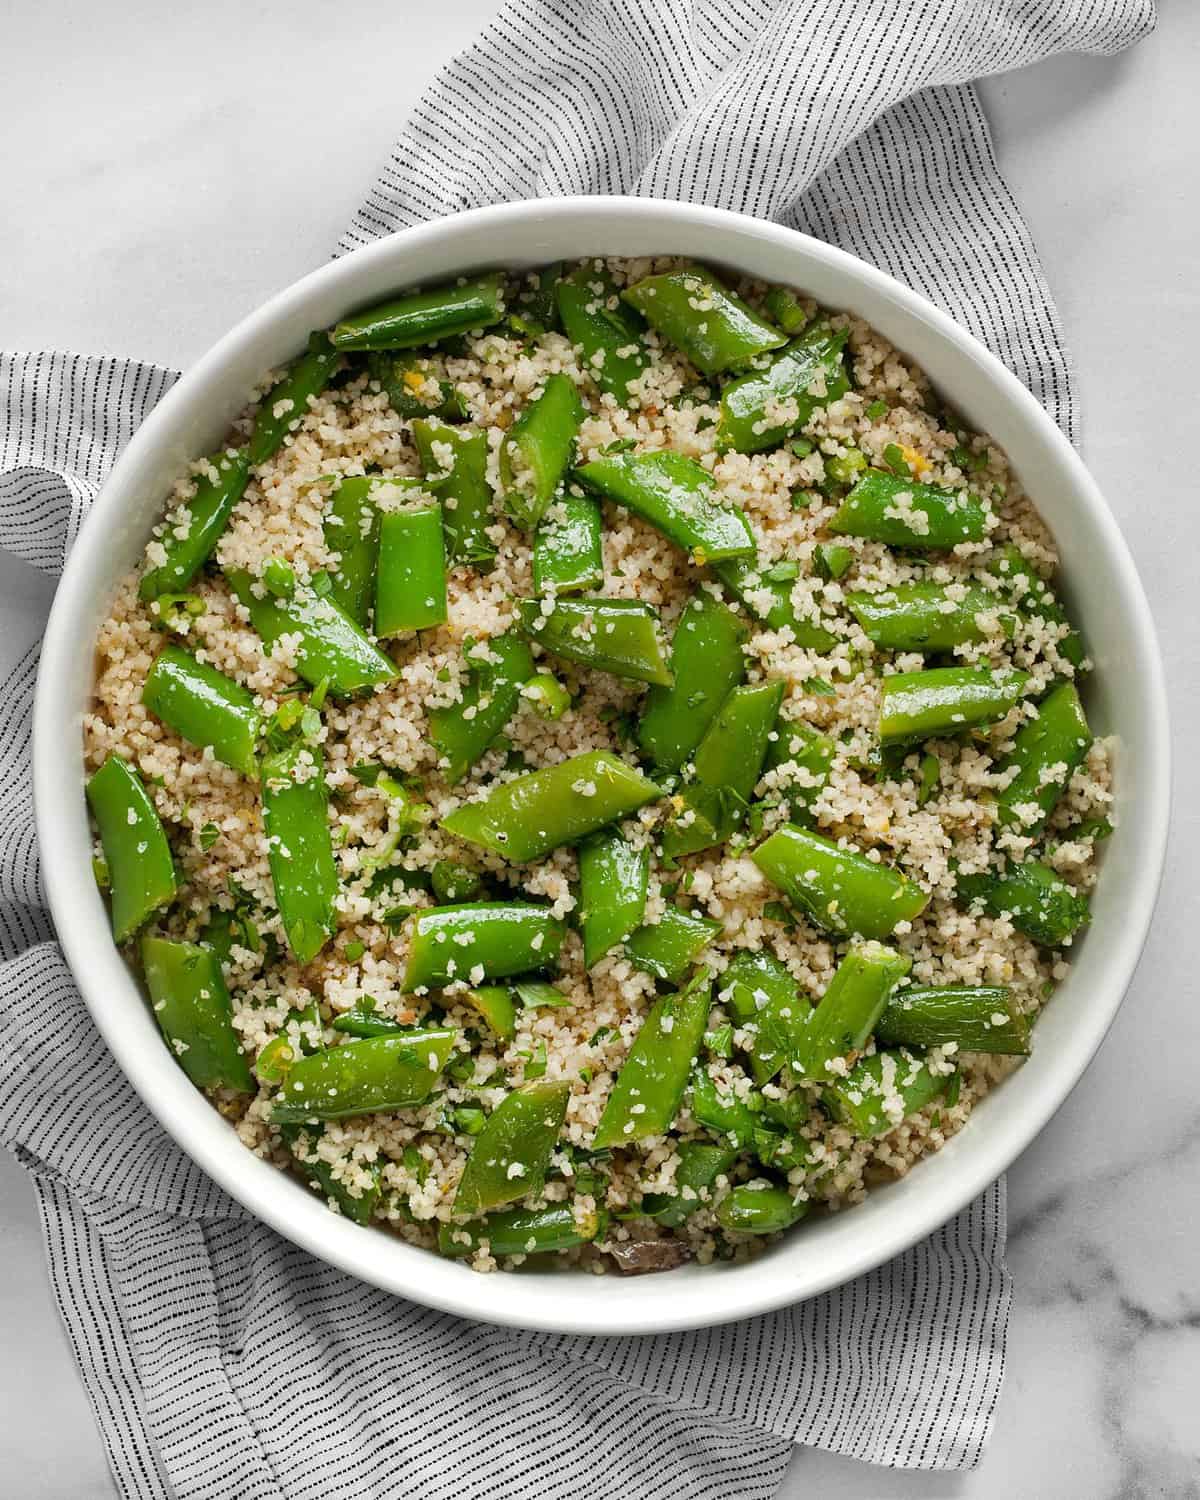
{"x": 1125, "y": 697}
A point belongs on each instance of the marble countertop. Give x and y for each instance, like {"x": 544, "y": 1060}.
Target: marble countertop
{"x": 168, "y": 167}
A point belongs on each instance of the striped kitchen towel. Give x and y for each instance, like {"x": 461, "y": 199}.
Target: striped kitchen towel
{"x": 223, "y": 1362}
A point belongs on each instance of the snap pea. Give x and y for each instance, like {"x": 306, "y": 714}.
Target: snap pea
{"x": 351, "y": 529}
{"x": 494, "y": 1003}
{"x": 537, "y": 450}
{"x": 523, "y": 1231}
{"x": 509, "y": 1158}
{"x": 462, "y": 731}
{"x": 763, "y": 998}
{"x": 567, "y": 552}
{"x": 410, "y": 585}
{"x": 1033, "y": 596}
{"x": 669, "y": 947}
{"x": 760, "y": 409}
{"x": 759, "y": 1207}
{"x": 926, "y": 616}
{"x": 840, "y": 890}
{"x": 812, "y": 754}
{"x": 332, "y": 649}
{"x": 703, "y": 318}
{"x": 929, "y": 519}
{"x": 720, "y": 1110}
{"x": 676, "y": 496}
{"x": 363, "y": 1022}
{"x": 785, "y": 309}
{"x": 536, "y": 310}
{"x": 706, "y": 664}
{"x": 218, "y": 489}
{"x": 140, "y": 869}
{"x": 978, "y": 1017}
{"x": 424, "y": 317}
{"x": 847, "y": 1012}
{"x": 695, "y": 1177}
{"x": 942, "y": 701}
{"x": 358, "y": 1207}
{"x": 525, "y": 818}
{"x": 548, "y": 696}
{"x": 448, "y": 943}
{"x": 454, "y": 464}
{"x": 295, "y": 809}
{"x": 767, "y": 593}
{"x": 607, "y": 333}
{"x": 205, "y": 707}
{"x": 287, "y": 401}
{"x": 832, "y": 560}
{"x": 538, "y": 994}
{"x": 1036, "y": 899}
{"x": 649, "y": 1088}
{"x": 613, "y": 877}
{"x": 374, "y": 1076}
{"x": 901, "y": 1079}
{"x": 194, "y": 1012}
{"x": 619, "y": 636}
{"x": 1045, "y": 753}
{"x": 451, "y": 882}
{"x": 413, "y": 390}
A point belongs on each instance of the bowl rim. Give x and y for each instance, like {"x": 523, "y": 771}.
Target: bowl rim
{"x": 288, "y": 1208}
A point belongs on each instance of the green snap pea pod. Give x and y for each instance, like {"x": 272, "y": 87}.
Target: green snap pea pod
{"x": 812, "y": 754}
{"x": 413, "y": 390}
{"x": 928, "y": 705}
{"x": 424, "y": 317}
{"x": 359, "y": 1208}
{"x": 536, "y": 303}
{"x": 721, "y": 1111}
{"x": 287, "y": 401}
{"x": 760, "y": 409}
{"x": 929, "y": 519}
{"x": 192, "y": 1007}
{"x": 1036, "y": 899}
{"x": 1034, "y": 596}
{"x": 205, "y": 707}
{"x": 410, "y": 586}
{"x": 649, "y": 1088}
{"x": 676, "y": 496}
{"x": 500, "y": 937}
{"x": 846, "y": 1014}
{"x": 367, "y": 1023}
{"x": 785, "y": 309}
{"x": 759, "y": 1207}
{"x": 1045, "y": 752}
{"x": 217, "y": 491}
{"x": 525, "y": 818}
{"x": 548, "y": 696}
{"x": 706, "y": 664}
{"x": 509, "y": 1158}
{"x": 832, "y": 560}
{"x": 332, "y": 650}
{"x": 537, "y": 450}
{"x": 767, "y": 594}
{"x": 351, "y": 529}
{"x": 840, "y": 890}
{"x": 926, "y": 617}
{"x": 451, "y": 882}
{"x": 454, "y": 463}
{"x": 495, "y": 1004}
{"x": 978, "y": 1017}
{"x": 606, "y": 332}
{"x": 295, "y": 807}
{"x": 619, "y": 636}
{"x": 882, "y": 1090}
{"x": 703, "y": 318}
{"x": 728, "y": 763}
{"x": 464, "y": 730}
{"x": 523, "y": 1231}
{"x": 373, "y": 1076}
{"x": 140, "y": 869}
{"x": 699, "y": 1167}
{"x": 567, "y": 551}
{"x": 669, "y": 947}
{"x": 613, "y": 878}
{"x": 760, "y": 994}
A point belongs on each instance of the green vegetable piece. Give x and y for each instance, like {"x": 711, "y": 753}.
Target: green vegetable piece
{"x": 619, "y": 636}
{"x": 669, "y": 947}
{"x": 525, "y": 818}
{"x": 537, "y": 450}
{"x": 761, "y": 408}
{"x": 279, "y": 578}
{"x": 930, "y": 519}
{"x": 463, "y": 731}
{"x": 1036, "y": 899}
{"x": 706, "y": 664}
{"x": 548, "y": 696}
{"x": 509, "y": 1159}
{"x": 785, "y": 309}
{"x": 649, "y": 1088}
{"x": 274, "y": 1062}
{"x": 194, "y": 1013}
{"x": 218, "y": 490}
{"x": 177, "y": 612}
{"x": 676, "y": 496}
{"x": 606, "y": 332}
{"x": 841, "y": 469}
{"x": 759, "y": 1207}
{"x": 413, "y": 390}
{"x": 410, "y": 586}
{"x": 424, "y": 317}
{"x": 295, "y": 806}
{"x": 539, "y": 994}
{"x": 700, "y": 316}
{"x": 929, "y": 778}
{"x": 359, "y": 1208}
{"x": 368, "y": 1023}
{"x": 536, "y": 309}
{"x": 839, "y": 890}
{"x": 374, "y": 1076}
{"x": 454, "y": 464}
{"x": 812, "y": 754}
{"x": 494, "y": 1002}
{"x": 452, "y": 882}
{"x": 721, "y": 1111}
{"x": 979, "y": 1018}
{"x": 351, "y": 529}
{"x": 140, "y": 869}
{"x": 447, "y": 943}
{"x": 1045, "y": 753}
{"x": 833, "y": 560}
{"x": 769, "y": 599}
{"x": 882, "y": 1090}
{"x": 926, "y": 617}
{"x": 943, "y": 701}
{"x": 851, "y": 1005}
{"x": 523, "y": 1231}
{"x": 761, "y": 995}
{"x": 695, "y": 1177}
{"x": 1034, "y": 597}
{"x": 567, "y": 552}
{"x": 287, "y": 402}
{"x": 613, "y": 879}
{"x": 205, "y": 707}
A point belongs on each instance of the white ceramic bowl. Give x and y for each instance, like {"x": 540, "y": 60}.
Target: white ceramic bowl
{"x": 1125, "y": 697}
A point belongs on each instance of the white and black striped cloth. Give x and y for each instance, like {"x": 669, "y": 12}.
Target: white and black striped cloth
{"x": 222, "y": 1362}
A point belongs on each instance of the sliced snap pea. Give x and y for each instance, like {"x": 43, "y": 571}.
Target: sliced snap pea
{"x": 509, "y": 1158}
{"x": 351, "y": 529}
{"x": 676, "y": 496}
{"x": 882, "y": 1090}
{"x": 1033, "y": 596}
{"x": 410, "y": 585}
{"x": 916, "y": 706}
{"x": 424, "y": 317}
{"x": 619, "y": 636}
{"x": 373, "y": 1076}
{"x": 194, "y": 1012}
{"x": 548, "y": 696}
{"x": 413, "y": 390}
{"x": 759, "y": 1207}
{"x": 287, "y": 401}
{"x": 295, "y": 807}
{"x": 567, "y": 552}
{"x": 761, "y": 408}
{"x": 523, "y": 1231}
{"x": 670, "y": 946}
{"x": 926, "y": 616}
{"x": 709, "y": 323}
{"x": 767, "y": 593}
{"x": 1036, "y": 899}
{"x": 699, "y": 1167}
{"x": 454, "y": 464}
{"x": 464, "y": 730}
{"x": 607, "y": 333}
{"x": 832, "y": 560}
{"x": 903, "y": 513}
{"x": 359, "y": 1207}
{"x": 1046, "y": 751}
{"x": 494, "y": 1003}
{"x": 812, "y": 754}
{"x": 501, "y": 938}
{"x": 721, "y": 1111}
{"x": 613, "y": 878}
{"x": 363, "y": 1022}
{"x": 847, "y": 1012}
{"x": 977, "y": 1017}
{"x": 706, "y": 664}
{"x": 451, "y": 882}
{"x": 763, "y": 998}
{"x": 218, "y": 489}
{"x": 205, "y": 707}
{"x": 535, "y": 307}
{"x": 785, "y": 309}
{"x": 140, "y": 869}
{"x": 537, "y": 451}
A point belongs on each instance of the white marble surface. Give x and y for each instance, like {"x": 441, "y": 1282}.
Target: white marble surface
{"x": 169, "y": 166}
